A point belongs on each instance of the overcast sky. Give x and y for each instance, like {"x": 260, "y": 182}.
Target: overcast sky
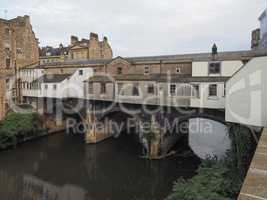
{"x": 143, "y": 27}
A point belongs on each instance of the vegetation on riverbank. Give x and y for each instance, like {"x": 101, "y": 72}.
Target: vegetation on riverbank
{"x": 18, "y": 127}
{"x": 220, "y": 180}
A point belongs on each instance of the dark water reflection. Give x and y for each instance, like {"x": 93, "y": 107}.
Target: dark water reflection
{"x": 62, "y": 167}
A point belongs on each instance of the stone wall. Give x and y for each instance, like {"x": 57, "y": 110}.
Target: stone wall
{"x": 90, "y": 49}
{"x": 126, "y": 67}
{"x": 18, "y": 48}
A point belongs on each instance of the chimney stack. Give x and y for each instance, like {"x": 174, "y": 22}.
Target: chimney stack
{"x": 73, "y": 40}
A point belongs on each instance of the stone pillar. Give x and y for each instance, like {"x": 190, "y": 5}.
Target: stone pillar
{"x": 97, "y": 131}
{"x": 40, "y": 107}
{"x": 154, "y": 144}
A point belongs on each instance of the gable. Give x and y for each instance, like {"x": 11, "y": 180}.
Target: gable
{"x": 78, "y": 47}
{"x": 119, "y": 61}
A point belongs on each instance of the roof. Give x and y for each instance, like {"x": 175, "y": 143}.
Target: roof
{"x": 180, "y": 78}
{"x": 231, "y": 55}
{"x": 76, "y": 62}
{"x": 263, "y": 14}
{"x": 227, "y": 55}
{"x": 52, "y": 78}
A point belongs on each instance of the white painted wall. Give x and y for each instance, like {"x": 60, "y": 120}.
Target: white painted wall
{"x": 206, "y": 101}
{"x": 246, "y": 94}
{"x": 208, "y": 138}
{"x": 228, "y": 68}
{"x": 71, "y": 87}
{"x": 74, "y": 86}
{"x": 30, "y": 74}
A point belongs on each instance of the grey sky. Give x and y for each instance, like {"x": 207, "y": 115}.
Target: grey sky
{"x": 144, "y": 27}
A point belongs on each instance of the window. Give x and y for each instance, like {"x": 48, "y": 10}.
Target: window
{"x": 80, "y": 72}
{"x": 103, "y": 88}
{"x": 19, "y": 51}
{"x": 91, "y": 88}
{"x": 8, "y": 63}
{"x": 119, "y": 70}
{"x": 7, "y": 31}
{"x": 213, "y": 90}
{"x": 54, "y": 86}
{"x": 178, "y": 70}
{"x": 172, "y": 90}
{"x": 224, "y": 90}
{"x": 195, "y": 91}
{"x": 7, "y": 83}
{"x": 46, "y": 86}
{"x": 147, "y": 70}
{"x": 214, "y": 68}
{"x": 135, "y": 89}
{"x": 150, "y": 89}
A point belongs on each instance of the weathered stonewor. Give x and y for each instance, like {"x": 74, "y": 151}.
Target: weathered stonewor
{"x": 255, "y": 185}
{"x": 90, "y": 49}
{"x": 96, "y": 131}
{"x": 18, "y": 48}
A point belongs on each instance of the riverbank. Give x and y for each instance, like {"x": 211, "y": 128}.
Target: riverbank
{"x": 18, "y": 128}
{"x": 220, "y": 179}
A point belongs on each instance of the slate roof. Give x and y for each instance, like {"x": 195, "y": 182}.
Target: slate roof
{"x": 231, "y": 55}
{"x": 179, "y": 78}
{"x": 52, "y": 78}
{"x": 228, "y": 55}
{"x": 76, "y": 62}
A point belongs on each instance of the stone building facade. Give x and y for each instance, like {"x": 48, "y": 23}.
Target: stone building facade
{"x": 18, "y": 48}
{"x": 90, "y": 49}
{"x": 18, "y": 44}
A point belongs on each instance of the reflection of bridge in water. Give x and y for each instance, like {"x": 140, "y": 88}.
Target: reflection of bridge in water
{"x": 60, "y": 166}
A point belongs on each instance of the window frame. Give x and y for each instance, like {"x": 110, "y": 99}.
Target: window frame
{"x": 103, "y": 88}
{"x": 80, "y": 72}
{"x": 171, "y": 89}
{"x": 210, "y": 90}
{"x": 8, "y": 63}
{"x": 135, "y": 90}
{"x": 147, "y": 70}
{"x": 119, "y": 70}
{"x": 212, "y": 67}
{"x": 151, "y": 88}
{"x": 197, "y": 96}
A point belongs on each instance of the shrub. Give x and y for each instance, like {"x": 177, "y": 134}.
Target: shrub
{"x": 220, "y": 180}
{"x": 18, "y": 126}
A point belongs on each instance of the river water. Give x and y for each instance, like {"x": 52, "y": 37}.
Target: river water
{"x": 62, "y": 167}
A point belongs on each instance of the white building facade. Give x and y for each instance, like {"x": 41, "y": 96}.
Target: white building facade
{"x": 211, "y": 93}
{"x": 56, "y": 85}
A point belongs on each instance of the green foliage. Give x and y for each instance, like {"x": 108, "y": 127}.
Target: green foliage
{"x": 220, "y": 180}
{"x": 17, "y": 126}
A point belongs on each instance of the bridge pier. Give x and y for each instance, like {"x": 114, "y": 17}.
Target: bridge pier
{"x": 96, "y": 131}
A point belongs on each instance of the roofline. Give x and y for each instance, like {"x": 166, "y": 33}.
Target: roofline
{"x": 263, "y": 14}
{"x": 195, "y": 57}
